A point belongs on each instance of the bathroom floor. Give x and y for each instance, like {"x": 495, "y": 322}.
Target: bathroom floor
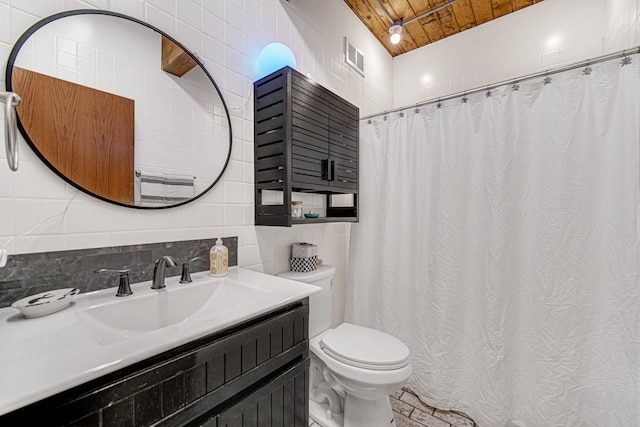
{"x": 411, "y": 412}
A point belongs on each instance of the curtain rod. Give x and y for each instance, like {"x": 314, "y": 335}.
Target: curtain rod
{"x": 526, "y": 77}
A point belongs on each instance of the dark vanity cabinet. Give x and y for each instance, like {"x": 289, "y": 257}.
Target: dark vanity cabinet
{"x": 253, "y": 374}
{"x": 306, "y": 140}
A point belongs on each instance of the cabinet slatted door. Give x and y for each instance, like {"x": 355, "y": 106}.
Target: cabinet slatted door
{"x": 344, "y": 144}
{"x": 309, "y": 132}
{"x": 280, "y": 403}
{"x": 306, "y": 140}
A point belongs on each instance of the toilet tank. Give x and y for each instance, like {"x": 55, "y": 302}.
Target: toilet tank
{"x": 320, "y": 304}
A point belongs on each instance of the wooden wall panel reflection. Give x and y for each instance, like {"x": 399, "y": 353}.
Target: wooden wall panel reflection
{"x": 87, "y": 135}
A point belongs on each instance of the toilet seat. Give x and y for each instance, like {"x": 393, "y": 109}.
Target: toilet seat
{"x": 365, "y": 348}
{"x": 377, "y": 379}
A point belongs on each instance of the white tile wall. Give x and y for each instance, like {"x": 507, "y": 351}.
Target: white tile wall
{"x": 227, "y": 36}
{"x": 622, "y": 29}
{"x": 545, "y": 35}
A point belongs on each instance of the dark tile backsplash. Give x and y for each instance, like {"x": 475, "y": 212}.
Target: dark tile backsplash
{"x": 30, "y": 274}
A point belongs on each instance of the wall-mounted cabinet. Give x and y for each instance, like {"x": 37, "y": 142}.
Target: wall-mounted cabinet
{"x": 306, "y": 140}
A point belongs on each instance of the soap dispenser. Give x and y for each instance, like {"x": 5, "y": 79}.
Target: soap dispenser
{"x": 219, "y": 256}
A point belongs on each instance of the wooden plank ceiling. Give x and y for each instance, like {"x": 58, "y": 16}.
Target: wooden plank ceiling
{"x": 450, "y": 20}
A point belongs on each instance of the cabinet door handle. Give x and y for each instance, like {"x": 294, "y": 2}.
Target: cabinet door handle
{"x": 325, "y": 170}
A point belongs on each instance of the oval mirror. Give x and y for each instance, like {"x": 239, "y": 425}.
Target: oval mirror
{"x": 120, "y": 109}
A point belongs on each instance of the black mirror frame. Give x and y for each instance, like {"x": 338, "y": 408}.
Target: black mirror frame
{"x": 35, "y": 27}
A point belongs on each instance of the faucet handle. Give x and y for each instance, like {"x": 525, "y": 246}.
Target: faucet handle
{"x": 186, "y": 270}
{"x": 124, "y": 289}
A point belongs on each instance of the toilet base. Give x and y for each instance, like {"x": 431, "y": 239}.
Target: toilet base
{"x": 364, "y": 412}
{"x": 318, "y": 413}
{"x": 358, "y": 413}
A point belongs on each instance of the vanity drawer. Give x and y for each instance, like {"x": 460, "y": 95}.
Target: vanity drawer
{"x": 182, "y": 385}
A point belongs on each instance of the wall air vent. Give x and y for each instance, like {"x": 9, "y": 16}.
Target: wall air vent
{"x": 353, "y": 57}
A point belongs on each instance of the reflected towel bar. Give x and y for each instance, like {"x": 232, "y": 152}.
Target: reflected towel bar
{"x": 11, "y": 101}
{"x": 138, "y": 172}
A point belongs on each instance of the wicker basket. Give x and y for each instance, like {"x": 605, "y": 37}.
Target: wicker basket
{"x": 304, "y": 250}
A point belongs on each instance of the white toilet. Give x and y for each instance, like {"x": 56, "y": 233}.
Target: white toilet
{"x": 353, "y": 369}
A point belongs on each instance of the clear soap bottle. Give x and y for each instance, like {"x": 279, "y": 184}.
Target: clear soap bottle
{"x": 219, "y": 257}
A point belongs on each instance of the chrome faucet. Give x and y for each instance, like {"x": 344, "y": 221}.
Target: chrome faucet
{"x": 159, "y": 271}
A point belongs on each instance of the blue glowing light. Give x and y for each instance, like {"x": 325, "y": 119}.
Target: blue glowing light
{"x": 273, "y": 57}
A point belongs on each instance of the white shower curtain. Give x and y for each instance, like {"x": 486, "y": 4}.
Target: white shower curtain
{"x": 498, "y": 238}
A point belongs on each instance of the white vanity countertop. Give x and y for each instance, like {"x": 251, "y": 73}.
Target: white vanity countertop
{"x": 43, "y": 356}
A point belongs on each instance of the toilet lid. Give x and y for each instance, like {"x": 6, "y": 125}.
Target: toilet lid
{"x": 365, "y": 348}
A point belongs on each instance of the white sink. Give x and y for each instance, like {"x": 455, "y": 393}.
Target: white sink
{"x": 100, "y": 333}
{"x": 126, "y": 317}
